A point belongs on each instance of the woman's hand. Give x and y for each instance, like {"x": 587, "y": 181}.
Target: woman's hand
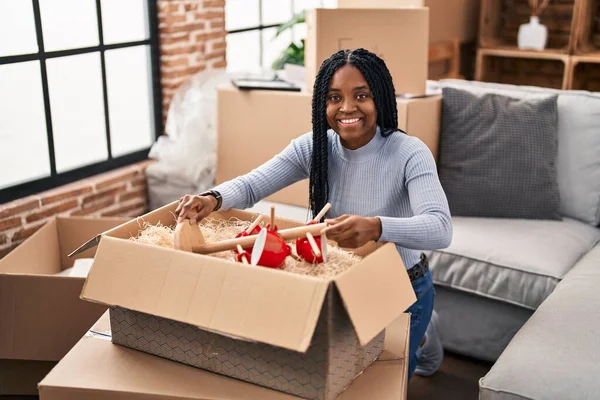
{"x": 195, "y": 207}
{"x": 352, "y": 231}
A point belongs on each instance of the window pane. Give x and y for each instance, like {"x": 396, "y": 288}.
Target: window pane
{"x": 23, "y": 138}
{"x": 243, "y": 52}
{"x": 276, "y": 11}
{"x": 77, "y": 106}
{"x": 273, "y": 46}
{"x": 128, "y": 79}
{"x": 241, "y": 14}
{"x": 299, "y": 32}
{"x": 124, "y": 21}
{"x": 17, "y": 28}
{"x": 301, "y": 5}
{"x": 69, "y": 24}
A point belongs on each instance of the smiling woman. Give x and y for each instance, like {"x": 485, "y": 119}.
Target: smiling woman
{"x": 382, "y": 184}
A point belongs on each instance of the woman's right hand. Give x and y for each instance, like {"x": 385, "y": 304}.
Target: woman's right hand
{"x": 195, "y": 208}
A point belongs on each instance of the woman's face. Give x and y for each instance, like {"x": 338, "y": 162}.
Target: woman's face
{"x": 350, "y": 110}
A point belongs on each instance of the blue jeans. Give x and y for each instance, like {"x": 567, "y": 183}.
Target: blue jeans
{"x": 421, "y": 312}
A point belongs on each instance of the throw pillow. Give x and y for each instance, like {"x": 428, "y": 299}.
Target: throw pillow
{"x": 578, "y": 155}
{"x": 498, "y": 155}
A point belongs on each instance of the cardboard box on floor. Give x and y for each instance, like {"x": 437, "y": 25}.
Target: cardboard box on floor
{"x": 399, "y": 36}
{"x": 448, "y": 19}
{"x": 96, "y": 369}
{"x": 261, "y": 123}
{"x": 41, "y": 314}
{"x": 295, "y": 333}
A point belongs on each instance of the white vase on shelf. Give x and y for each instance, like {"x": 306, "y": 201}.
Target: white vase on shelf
{"x": 532, "y": 36}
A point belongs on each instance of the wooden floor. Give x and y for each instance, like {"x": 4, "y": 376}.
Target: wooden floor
{"x": 457, "y": 379}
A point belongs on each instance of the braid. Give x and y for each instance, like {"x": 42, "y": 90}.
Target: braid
{"x": 380, "y": 82}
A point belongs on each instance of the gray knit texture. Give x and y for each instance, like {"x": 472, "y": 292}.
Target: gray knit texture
{"x": 498, "y": 155}
{"x": 393, "y": 178}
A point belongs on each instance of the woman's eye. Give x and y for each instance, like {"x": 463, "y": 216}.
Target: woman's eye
{"x": 334, "y": 98}
{"x": 362, "y": 96}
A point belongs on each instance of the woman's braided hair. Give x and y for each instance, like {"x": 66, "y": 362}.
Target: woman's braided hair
{"x": 380, "y": 82}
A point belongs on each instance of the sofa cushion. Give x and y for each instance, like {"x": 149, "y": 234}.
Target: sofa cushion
{"x": 555, "y": 355}
{"x": 578, "y": 157}
{"x": 497, "y": 155}
{"x": 515, "y": 261}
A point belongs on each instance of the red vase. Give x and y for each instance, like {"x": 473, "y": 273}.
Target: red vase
{"x": 243, "y": 233}
{"x": 304, "y": 249}
{"x": 275, "y": 251}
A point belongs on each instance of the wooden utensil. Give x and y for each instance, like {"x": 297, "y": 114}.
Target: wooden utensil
{"x": 230, "y": 244}
{"x": 187, "y": 235}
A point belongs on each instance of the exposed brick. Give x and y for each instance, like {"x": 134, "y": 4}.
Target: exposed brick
{"x": 181, "y": 37}
{"x": 196, "y": 26}
{"x": 174, "y": 62}
{"x": 112, "y": 192}
{"x": 65, "y": 194}
{"x": 94, "y": 207}
{"x": 17, "y": 207}
{"x": 141, "y": 181}
{"x": 215, "y": 54}
{"x": 172, "y": 18}
{"x": 3, "y": 238}
{"x": 214, "y": 3}
{"x": 207, "y": 15}
{"x": 26, "y": 231}
{"x": 139, "y": 192}
{"x": 183, "y": 50}
{"x": 220, "y": 64}
{"x": 126, "y": 211}
{"x": 122, "y": 177}
{"x": 217, "y": 23}
{"x": 50, "y": 211}
{"x": 191, "y": 70}
{"x": 6, "y": 250}
{"x": 191, "y": 7}
{"x": 9, "y": 223}
{"x": 203, "y": 36}
{"x": 218, "y": 45}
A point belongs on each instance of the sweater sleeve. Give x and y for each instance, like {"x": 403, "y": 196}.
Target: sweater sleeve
{"x": 430, "y": 227}
{"x": 286, "y": 168}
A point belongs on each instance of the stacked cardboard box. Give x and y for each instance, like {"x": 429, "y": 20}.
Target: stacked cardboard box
{"x": 96, "y": 369}
{"x": 297, "y": 334}
{"x": 41, "y": 314}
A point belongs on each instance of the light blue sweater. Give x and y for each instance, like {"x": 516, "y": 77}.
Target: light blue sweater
{"x": 393, "y": 178}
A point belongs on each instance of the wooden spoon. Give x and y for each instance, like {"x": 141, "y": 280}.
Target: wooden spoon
{"x": 187, "y": 235}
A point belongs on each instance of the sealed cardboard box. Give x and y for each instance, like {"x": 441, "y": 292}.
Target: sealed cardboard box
{"x": 41, "y": 314}
{"x": 254, "y": 126}
{"x": 448, "y": 19}
{"x": 129, "y": 374}
{"x": 399, "y": 36}
{"x": 299, "y": 334}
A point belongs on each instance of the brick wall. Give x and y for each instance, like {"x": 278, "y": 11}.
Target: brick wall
{"x": 117, "y": 193}
{"x": 192, "y": 38}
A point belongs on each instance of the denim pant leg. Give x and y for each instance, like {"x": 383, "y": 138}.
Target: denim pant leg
{"x": 421, "y": 312}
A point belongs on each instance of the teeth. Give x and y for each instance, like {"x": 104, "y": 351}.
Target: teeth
{"x": 349, "y": 121}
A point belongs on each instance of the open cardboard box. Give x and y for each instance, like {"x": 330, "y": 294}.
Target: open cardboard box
{"x": 41, "y": 314}
{"x": 95, "y": 369}
{"x": 241, "y": 126}
{"x": 303, "y": 335}
{"x": 400, "y": 36}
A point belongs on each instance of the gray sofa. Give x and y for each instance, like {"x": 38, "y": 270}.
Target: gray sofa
{"x": 524, "y": 293}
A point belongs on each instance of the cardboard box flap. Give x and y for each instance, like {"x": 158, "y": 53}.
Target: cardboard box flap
{"x": 376, "y": 291}
{"x": 40, "y": 256}
{"x": 256, "y": 304}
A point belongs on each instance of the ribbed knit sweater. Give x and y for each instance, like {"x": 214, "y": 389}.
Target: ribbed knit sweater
{"x": 393, "y": 178}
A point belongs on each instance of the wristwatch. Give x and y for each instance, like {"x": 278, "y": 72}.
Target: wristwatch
{"x": 216, "y": 195}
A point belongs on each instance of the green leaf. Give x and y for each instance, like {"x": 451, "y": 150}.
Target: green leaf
{"x": 296, "y": 19}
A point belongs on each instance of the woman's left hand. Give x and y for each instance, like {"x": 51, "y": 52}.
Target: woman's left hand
{"x": 352, "y": 231}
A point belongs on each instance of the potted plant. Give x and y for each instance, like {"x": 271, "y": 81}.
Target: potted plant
{"x": 294, "y": 53}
